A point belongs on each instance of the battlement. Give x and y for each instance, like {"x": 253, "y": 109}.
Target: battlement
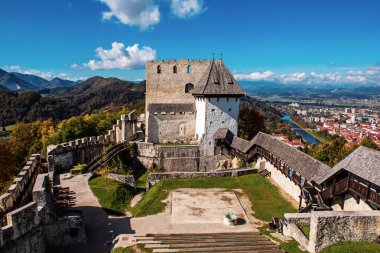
{"x": 83, "y": 150}
{"x": 179, "y": 61}
{"x": 18, "y": 187}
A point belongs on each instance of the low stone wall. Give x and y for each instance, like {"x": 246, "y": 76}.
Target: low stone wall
{"x": 329, "y": 227}
{"x": 85, "y": 149}
{"x": 125, "y": 179}
{"x": 21, "y": 184}
{"x": 154, "y": 178}
{"x": 283, "y": 181}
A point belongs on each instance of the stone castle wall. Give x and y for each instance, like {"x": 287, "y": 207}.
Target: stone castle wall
{"x": 20, "y": 184}
{"x": 171, "y": 126}
{"x": 154, "y": 178}
{"x": 27, "y": 228}
{"x": 84, "y": 150}
{"x": 168, "y": 87}
{"x": 329, "y": 227}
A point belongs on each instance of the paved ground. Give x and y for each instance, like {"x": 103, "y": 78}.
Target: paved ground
{"x": 99, "y": 227}
{"x": 163, "y": 222}
{"x": 187, "y": 211}
{"x": 200, "y": 206}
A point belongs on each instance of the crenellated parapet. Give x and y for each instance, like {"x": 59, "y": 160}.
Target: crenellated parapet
{"x": 83, "y": 150}
{"x": 20, "y": 184}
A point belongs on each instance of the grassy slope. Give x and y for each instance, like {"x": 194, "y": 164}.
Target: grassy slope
{"x": 113, "y": 196}
{"x": 265, "y": 198}
{"x": 353, "y": 247}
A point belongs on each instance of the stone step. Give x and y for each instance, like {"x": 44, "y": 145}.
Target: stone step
{"x": 219, "y": 244}
{"x": 222, "y": 249}
{"x": 233, "y": 251}
{"x": 200, "y": 234}
{"x": 194, "y": 240}
{"x": 205, "y": 237}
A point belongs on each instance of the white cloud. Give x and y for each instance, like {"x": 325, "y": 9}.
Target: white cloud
{"x": 256, "y": 76}
{"x": 141, "y": 13}
{"x": 371, "y": 75}
{"x": 121, "y": 57}
{"x": 16, "y": 68}
{"x": 187, "y": 8}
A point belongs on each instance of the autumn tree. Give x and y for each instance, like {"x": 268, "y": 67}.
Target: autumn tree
{"x": 251, "y": 121}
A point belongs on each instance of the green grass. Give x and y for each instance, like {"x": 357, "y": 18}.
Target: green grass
{"x": 141, "y": 181}
{"x": 10, "y": 127}
{"x": 353, "y": 247}
{"x": 123, "y": 250}
{"x": 305, "y": 230}
{"x": 113, "y": 196}
{"x": 265, "y": 197}
{"x": 132, "y": 249}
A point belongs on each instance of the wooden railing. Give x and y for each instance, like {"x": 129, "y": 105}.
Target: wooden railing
{"x": 351, "y": 185}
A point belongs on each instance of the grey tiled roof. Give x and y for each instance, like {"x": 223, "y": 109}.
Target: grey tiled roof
{"x": 218, "y": 80}
{"x": 308, "y": 167}
{"x": 171, "y": 108}
{"x": 305, "y": 165}
{"x": 363, "y": 162}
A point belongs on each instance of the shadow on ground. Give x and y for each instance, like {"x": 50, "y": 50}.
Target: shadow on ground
{"x": 100, "y": 231}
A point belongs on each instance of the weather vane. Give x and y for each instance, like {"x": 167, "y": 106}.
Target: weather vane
{"x": 221, "y": 56}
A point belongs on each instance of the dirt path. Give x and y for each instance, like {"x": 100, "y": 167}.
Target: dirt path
{"x": 99, "y": 227}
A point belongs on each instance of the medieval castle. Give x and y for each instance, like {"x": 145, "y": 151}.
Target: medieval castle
{"x": 193, "y": 105}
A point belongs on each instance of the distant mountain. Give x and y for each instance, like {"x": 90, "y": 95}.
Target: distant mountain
{"x": 98, "y": 92}
{"x": 32, "y": 79}
{"x": 24, "y": 82}
{"x": 12, "y": 82}
{"x": 58, "y": 82}
{"x": 31, "y": 106}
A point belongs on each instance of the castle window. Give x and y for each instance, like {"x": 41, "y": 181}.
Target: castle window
{"x": 210, "y": 122}
{"x": 188, "y": 69}
{"x": 189, "y": 87}
{"x": 229, "y": 109}
{"x": 175, "y": 69}
{"x": 212, "y": 110}
{"x": 158, "y": 69}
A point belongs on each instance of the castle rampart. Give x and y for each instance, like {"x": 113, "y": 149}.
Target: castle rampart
{"x": 68, "y": 154}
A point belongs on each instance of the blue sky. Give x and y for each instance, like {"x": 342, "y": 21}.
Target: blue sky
{"x": 290, "y": 41}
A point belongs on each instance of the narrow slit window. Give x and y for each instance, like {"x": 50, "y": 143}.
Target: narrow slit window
{"x": 188, "y": 69}
{"x": 175, "y": 69}
{"x": 158, "y": 69}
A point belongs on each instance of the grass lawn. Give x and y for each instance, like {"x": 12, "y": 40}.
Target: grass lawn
{"x": 113, "y": 196}
{"x": 353, "y": 247}
{"x": 141, "y": 181}
{"x": 305, "y": 230}
{"x": 265, "y": 198}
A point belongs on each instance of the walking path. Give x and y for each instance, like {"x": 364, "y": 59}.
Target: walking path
{"x": 100, "y": 228}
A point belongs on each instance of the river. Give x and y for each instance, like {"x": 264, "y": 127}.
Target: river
{"x": 299, "y": 131}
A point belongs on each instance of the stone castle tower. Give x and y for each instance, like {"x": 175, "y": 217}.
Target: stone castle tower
{"x": 189, "y": 101}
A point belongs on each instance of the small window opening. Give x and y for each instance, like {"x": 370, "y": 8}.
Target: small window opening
{"x": 189, "y": 87}
{"x": 175, "y": 69}
{"x": 212, "y": 110}
{"x": 229, "y": 109}
{"x": 158, "y": 69}
{"x": 188, "y": 69}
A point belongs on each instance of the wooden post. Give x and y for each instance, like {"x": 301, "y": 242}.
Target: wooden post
{"x": 333, "y": 189}
{"x": 368, "y": 190}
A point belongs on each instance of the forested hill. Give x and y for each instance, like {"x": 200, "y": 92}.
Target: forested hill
{"x": 31, "y": 106}
{"x": 98, "y": 92}
{"x": 60, "y": 103}
{"x": 92, "y": 95}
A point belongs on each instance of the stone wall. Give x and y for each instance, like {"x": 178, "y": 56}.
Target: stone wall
{"x": 21, "y": 185}
{"x": 283, "y": 181}
{"x": 329, "y": 227}
{"x": 154, "y": 178}
{"x": 350, "y": 204}
{"x": 171, "y": 126}
{"x": 85, "y": 149}
{"x": 125, "y": 179}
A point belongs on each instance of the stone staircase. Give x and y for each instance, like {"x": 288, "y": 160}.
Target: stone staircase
{"x": 220, "y": 242}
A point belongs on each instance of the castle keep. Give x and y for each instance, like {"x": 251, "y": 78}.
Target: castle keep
{"x": 189, "y": 101}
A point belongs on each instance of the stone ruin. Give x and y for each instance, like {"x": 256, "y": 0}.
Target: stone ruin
{"x": 30, "y": 219}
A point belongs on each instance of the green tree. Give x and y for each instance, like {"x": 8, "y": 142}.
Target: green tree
{"x": 369, "y": 143}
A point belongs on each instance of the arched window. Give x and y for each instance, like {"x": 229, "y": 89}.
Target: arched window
{"x": 158, "y": 69}
{"x": 188, "y": 69}
{"x": 175, "y": 69}
{"x": 189, "y": 87}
